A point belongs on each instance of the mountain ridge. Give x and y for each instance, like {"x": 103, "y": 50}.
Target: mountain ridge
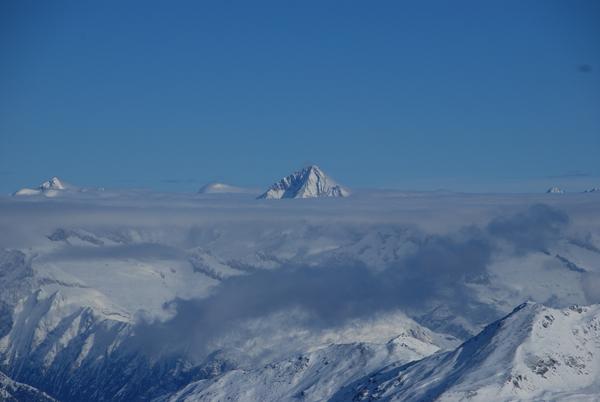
{"x": 535, "y": 351}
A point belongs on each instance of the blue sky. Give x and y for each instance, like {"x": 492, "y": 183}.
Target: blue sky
{"x": 463, "y": 95}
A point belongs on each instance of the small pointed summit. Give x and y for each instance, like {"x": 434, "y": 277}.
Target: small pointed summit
{"x": 555, "y": 190}
{"x": 53, "y": 184}
{"x": 310, "y": 182}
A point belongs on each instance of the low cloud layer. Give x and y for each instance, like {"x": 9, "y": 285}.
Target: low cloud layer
{"x": 591, "y": 286}
{"x": 438, "y": 271}
{"x": 408, "y": 252}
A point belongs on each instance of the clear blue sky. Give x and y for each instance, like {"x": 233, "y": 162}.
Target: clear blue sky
{"x": 170, "y": 95}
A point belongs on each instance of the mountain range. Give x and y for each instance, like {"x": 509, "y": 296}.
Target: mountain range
{"x": 308, "y": 182}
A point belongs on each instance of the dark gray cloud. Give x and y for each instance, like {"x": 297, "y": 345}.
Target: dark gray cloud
{"x": 590, "y": 282}
{"x": 139, "y": 251}
{"x": 535, "y": 229}
{"x": 331, "y": 294}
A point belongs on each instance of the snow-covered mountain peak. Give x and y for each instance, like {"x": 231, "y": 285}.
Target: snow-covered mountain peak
{"x": 48, "y": 188}
{"x": 310, "y": 182}
{"x": 592, "y": 190}
{"x": 555, "y": 190}
{"x": 53, "y": 184}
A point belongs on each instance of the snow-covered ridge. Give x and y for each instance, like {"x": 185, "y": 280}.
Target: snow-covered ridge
{"x": 13, "y": 391}
{"x": 310, "y": 182}
{"x": 534, "y": 353}
{"x": 313, "y": 376}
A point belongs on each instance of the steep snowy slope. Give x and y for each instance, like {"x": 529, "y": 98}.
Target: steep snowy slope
{"x": 12, "y": 391}
{"x": 60, "y": 323}
{"x": 535, "y": 352}
{"x": 313, "y": 376}
{"x": 310, "y": 182}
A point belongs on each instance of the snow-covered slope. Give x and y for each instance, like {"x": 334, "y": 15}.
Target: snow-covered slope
{"x": 310, "y": 182}
{"x": 13, "y": 391}
{"x": 49, "y": 188}
{"x": 311, "y": 376}
{"x": 534, "y": 353}
{"x": 555, "y": 190}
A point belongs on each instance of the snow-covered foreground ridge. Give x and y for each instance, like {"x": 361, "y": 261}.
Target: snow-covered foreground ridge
{"x": 143, "y": 296}
{"x": 534, "y": 353}
{"x": 12, "y": 391}
{"x": 312, "y": 376}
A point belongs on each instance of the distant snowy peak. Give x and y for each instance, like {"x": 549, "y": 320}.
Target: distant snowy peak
{"x": 555, "y": 190}
{"x": 310, "y": 182}
{"x": 53, "y": 184}
{"x": 593, "y": 190}
{"x": 222, "y": 188}
{"x": 48, "y": 188}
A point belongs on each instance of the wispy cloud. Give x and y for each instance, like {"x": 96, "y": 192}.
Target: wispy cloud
{"x": 179, "y": 181}
{"x": 570, "y": 174}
